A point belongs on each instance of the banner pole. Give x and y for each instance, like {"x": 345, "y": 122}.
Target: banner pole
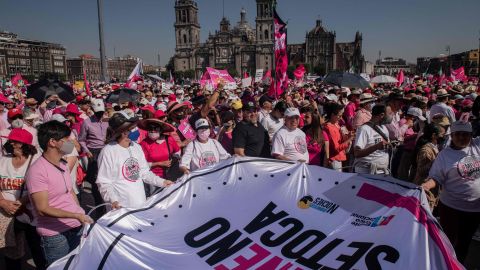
{"x": 274, "y": 59}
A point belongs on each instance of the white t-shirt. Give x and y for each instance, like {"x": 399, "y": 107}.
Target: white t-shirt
{"x": 272, "y": 125}
{"x": 12, "y": 182}
{"x": 198, "y": 155}
{"x": 291, "y": 144}
{"x": 121, "y": 173}
{"x": 442, "y": 108}
{"x": 366, "y": 137}
{"x": 262, "y": 114}
{"x": 458, "y": 171}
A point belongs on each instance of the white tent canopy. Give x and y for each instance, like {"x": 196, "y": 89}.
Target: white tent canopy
{"x": 384, "y": 79}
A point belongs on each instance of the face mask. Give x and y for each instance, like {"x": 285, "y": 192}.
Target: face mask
{"x": 154, "y": 135}
{"x": 133, "y": 135}
{"x": 67, "y": 147}
{"x": 371, "y": 105}
{"x": 17, "y": 123}
{"x": 226, "y": 125}
{"x": 203, "y": 134}
{"x": 51, "y": 105}
{"x": 165, "y": 100}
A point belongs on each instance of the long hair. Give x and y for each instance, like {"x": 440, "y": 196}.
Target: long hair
{"x": 315, "y": 128}
{"x": 27, "y": 150}
{"x": 428, "y": 131}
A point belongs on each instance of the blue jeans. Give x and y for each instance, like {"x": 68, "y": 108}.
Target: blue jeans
{"x": 58, "y": 246}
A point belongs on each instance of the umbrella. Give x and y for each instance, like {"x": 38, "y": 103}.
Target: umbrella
{"x": 384, "y": 79}
{"x": 44, "y": 88}
{"x": 344, "y": 79}
{"x": 122, "y": 95}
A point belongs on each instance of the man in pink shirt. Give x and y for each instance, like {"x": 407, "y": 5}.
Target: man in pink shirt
{"x": 57, "y": 212}
{"x": 351, "y": 108}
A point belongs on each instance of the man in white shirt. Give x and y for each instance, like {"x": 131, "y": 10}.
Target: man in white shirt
{"x": 274, "y": 120}
{"x": 289, "y": 143}
{"x": 122, "y": 167}
{"x": 441, "y": 106}
{"x": 371, "y": 142}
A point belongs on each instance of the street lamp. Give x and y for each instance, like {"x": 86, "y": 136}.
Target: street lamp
{"x": 449, "y": 58}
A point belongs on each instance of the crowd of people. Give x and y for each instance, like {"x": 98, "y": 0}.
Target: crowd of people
{"x": 422, "y": 133}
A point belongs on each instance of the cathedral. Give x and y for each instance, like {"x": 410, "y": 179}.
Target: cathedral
{"x": 240, "y": 48}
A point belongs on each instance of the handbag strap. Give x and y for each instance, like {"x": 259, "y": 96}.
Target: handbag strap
{"x": 168, "y": 147}
{"x": 378, "y": 130}
{"x": 25, "y": 180}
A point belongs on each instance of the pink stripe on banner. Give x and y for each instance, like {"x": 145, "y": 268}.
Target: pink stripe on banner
{"x": 373, "y": 193}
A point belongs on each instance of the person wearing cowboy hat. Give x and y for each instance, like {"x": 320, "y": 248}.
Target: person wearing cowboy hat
{"x": 122, "y": 167}
{"x": 442, "y": 107}
{"x": 159, "y": 148}
{"x": 364, "y": 113}
{"x": 203, "y": 151}
{"x": 176, "y": 115}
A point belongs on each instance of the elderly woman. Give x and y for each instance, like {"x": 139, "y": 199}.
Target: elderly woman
{"x": 203, "y": 151}
{"x": 456, "y": 169}
{"x": 14, "y": 203}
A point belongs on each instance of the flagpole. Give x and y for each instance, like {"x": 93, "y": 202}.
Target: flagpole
{"x": 103, "y": 63}
{"x": 274, "y": 77}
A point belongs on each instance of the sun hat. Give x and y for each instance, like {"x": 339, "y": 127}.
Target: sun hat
{"x": 14, "y": 112}
{"x": 442, "y": 93}
{"x": 20, "y": 135}
{"x": 461, "y": 126}
{"x": 145, "y": 124}
{"x": 366, "y": 98}
{"x": 417, "y": 112}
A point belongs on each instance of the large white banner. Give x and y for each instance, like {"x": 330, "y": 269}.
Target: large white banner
{"x": 248, "y": 213}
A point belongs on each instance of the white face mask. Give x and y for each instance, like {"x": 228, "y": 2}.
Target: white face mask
{"x": 203, "y": 134}
{"x": 154, "y": 135}
{"x": 17, "y": 123}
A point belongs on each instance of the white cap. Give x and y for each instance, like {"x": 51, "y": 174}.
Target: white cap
{"x": 332, "y": 97}
{"x": 179, "y": 91}
{"x": 98, "y": 105}
{"x": 291, "y": 112}
{"x": 58, "y": 117}
{"x": 461, "y": 126}
{"x": 201, "y": 123}
{"x": 416, "y": 112}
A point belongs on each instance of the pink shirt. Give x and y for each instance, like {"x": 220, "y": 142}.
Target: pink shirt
{"x": 44, "y": 176}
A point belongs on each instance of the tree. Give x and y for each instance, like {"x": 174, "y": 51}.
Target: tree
{"x": 189, "y": 74}
{"x": 232, "y": 71}
{"x": 290, "y": 70}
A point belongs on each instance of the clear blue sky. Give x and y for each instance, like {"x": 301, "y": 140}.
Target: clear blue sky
{"x": 144, "y": 28}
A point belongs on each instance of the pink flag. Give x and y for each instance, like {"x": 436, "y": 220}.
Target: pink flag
{"x": 214, "y": 76}
{"x": 171, "y": 77}
{"x": 136, "y": 72}
{"x": 400, "y": 78}
{"x": 85, "y": 83}
{"x": 281, "y": 59}
{"x": 458, "y": 74}
{"x": 299, "y": 72}
{"x": 17, "y": 80}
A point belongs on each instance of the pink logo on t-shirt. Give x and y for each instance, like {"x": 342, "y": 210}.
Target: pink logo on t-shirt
{"x": 207, "y": 159}
{"x": 131, "y": 169}
{"x": 469, "y": 167}
{"x": 300, "y": 144}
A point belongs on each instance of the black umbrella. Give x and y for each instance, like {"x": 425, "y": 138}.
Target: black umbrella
{"x": 44, "y": 88}
{"x": 122, "y": 95}
{"x": 345, "y": 79}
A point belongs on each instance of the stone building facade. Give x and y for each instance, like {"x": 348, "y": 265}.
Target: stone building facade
{"x": 241, "y": 48}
